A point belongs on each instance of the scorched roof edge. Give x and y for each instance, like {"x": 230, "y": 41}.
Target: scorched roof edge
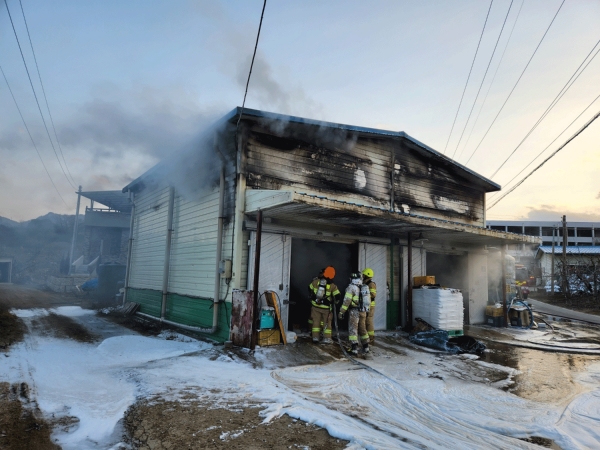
{"x": 375, "y": 131}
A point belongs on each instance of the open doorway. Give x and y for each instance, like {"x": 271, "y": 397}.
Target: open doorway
{"x": 308, "y": 257}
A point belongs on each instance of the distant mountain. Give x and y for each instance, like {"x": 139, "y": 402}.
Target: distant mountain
{"x": 8, "y": 223}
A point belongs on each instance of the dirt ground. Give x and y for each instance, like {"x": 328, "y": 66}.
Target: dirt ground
{"x": 159, "y": 424}
{"x": 21, "y": 422}
{"x": 584, "y": 304}
{"x": 154, "y": 424}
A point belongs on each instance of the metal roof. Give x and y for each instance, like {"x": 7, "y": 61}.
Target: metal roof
{"x": 298, "y": 207}
{"x": 363, "y": 130}
{"x": 571, "y": 249}
{"x": 116, "y": 200}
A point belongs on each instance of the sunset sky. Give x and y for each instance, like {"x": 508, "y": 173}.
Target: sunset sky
{"x": 130, "y": 82}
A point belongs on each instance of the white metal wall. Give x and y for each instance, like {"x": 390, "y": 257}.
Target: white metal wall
{"x": 193, "y": 245}
{"x": 419, "y": 267}
{"x": 375, "y": 256}
{"x": 149, "y": 234}
{"x": 274, "y": 275}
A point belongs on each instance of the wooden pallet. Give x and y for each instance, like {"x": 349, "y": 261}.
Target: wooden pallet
{"x": 454, "y": 333}
{"x": 271, "y": 300}
{"x": 129, "y": 308}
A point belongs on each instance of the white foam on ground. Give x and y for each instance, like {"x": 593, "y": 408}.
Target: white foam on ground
{"x": 419, "y": 403}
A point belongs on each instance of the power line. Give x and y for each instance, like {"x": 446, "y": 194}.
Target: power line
{"x": 554, "y": 102}
{"x": 35, "y": 95}
{"x": 262, "y": 14}
{"x": 546, "y": 160}
{"x": 553, "y": 141}
{"x": 519, "y": 79}
{"x": 470, "y": 70}
{"x": 494, "y": 77}
{"x": 44, "y": 92}
{"x": 483, "y": 79}
{"x": 30, "y": 137}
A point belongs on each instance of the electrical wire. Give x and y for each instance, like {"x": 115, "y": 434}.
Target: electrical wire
{"x": 30, "y": 137}
{"x": 468, "y": 77}
{"x": 483, "y": 79}
{"x": 554, "y": 102}
{"x": 493, "y": 78}
{"x": 35, "y": 95}
{"x": 545, "y": 161}
{"x": 548, "y": 146}
{"x": 237, "y": 125}
{"x": 45, "y": 98}
{"x": 518, "y": 80}
{"x": 251, "y": 66}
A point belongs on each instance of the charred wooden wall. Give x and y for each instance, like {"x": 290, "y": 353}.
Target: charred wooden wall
{"x": 375, "y": 171}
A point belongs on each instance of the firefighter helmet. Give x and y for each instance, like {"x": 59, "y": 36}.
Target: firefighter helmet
{"x": 368, "y": 273}
{"x": 329, "y": 272}
{"x": 355, "y": 279}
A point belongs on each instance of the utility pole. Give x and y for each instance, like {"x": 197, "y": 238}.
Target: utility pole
{"x": 74, "y": 231}
{"x": 564, "y": 255}
{"x": 552, "y": 270}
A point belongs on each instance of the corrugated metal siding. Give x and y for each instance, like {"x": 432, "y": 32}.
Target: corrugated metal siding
{"x": 376, "y": 256}
{"x": 149, "y": 239}
{"x": 149, "y": 300}
{"x": 419, "y": 267}
{"x": 275, "y": 253}
{"x": 362, "y": 169}
{"x": 196, "y": 312}
{"x": 193, "y": 246}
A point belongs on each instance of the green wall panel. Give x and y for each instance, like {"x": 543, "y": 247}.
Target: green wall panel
{"x": 393, "y": 309}
{"x": 148, "y": 299}
{"x": 195, "y": 312}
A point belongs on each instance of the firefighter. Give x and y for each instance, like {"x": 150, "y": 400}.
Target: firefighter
{"x": 323, "y": 293}
{"x": 358, "y": 300}
{"x": 367, "y": 277}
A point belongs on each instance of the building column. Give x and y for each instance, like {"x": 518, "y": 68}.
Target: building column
{"x": 478, "y": 286}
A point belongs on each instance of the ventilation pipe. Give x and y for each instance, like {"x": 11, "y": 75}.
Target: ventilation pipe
{"x": 130, "y": 247}
{"x": 409, "y": 294}
{"x": 165, "y": 284}
{"x": 219, "y": 251}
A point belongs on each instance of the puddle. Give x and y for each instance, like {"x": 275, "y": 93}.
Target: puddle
{"x": 543, "y": 376}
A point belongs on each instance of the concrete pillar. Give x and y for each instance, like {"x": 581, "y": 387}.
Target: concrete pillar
{"x": 478, "y": 286}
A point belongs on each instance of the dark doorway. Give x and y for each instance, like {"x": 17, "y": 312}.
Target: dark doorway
{"x": 308, "y": 257}
{"x": 451, "y": 271}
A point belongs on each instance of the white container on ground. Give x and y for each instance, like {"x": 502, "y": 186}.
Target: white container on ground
{"x": 440, "y": 308}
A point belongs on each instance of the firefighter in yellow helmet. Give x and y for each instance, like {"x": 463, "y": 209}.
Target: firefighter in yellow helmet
{"x": 323, "y": 293}
{"x": 358, "y": 301}
{"x": 367, "y": 278}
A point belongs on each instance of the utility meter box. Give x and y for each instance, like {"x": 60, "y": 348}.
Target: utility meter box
{"x": 226, "y": 269}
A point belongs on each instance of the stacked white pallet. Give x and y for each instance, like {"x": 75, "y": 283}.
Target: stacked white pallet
{"x": 441, "y": 308}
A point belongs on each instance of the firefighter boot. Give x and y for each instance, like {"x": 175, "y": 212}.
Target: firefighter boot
{"x": 367, "y": 352}
{"x": 354, "y": 349}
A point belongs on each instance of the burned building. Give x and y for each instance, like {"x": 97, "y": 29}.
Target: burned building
{"x": 328, "y": 194}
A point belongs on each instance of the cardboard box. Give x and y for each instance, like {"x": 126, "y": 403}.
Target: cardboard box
{"x": 268, "y": 337}
{"x": 492, "y": 311}
{"x": 494, "y": 321}
{"x": 420, "y": 281}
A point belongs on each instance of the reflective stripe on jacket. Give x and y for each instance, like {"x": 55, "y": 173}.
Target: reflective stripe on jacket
{"x": 372, "y": 290}
{"x": 331, "y": 291}
{"x": 351, "y": 298}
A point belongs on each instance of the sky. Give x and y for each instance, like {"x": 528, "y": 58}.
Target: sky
{"x": 130, "y": 83}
